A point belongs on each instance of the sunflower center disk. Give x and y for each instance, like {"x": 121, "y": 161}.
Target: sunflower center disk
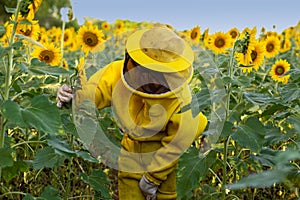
{"x": 253, "y": 55}
{"x": 279, "y": 70}
{"x": 90, "y": 39}
{"x": 27, "y": 32}
{"x": 47, "y": 56}
{"x": 219, "y": 43}
{"x": 270, "y": 47}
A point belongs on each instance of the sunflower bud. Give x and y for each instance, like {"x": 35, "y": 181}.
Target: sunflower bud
{"x": 70, "y": 14}
{"x": 241, "y": 45}
{"x": 24, "y": 10}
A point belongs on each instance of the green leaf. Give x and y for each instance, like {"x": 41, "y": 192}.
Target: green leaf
{"x": 295, "y": 120}
{"x": 26, "y": 22}
{"x": 41, "y": 114}
{"x": 250, "y": 134}
{"x": 227, "y": 129}
{"x": 13, "y": 112}
{"x": 263, "y": 179}
{"x": 4, "y": 51}
{"x": 6, "y": 158}
{"x": 61, "y": 146}
{"x": 30, "y": 197}
{"x": 243, "y": 81}
{"x": 51, "y": 193}
{"x": 270, "y": 110}
{"x": 282, "y": 170}
{"x": 47, "y": 157}
{"x": 259, "y": 98}
{"x": 86, "y": 156}
{"x": 68, "y": 125}
{"x": 15, "y": 170}
{"x": 41, "y": 68}
{"x": 192, "y": 169}
{"x": 200, "y": 101}
{"x": 290, "y": 92}
{"x": 99, "y": 181}
{"x": 274, "y": 135}
{"x": 266, "y": 157}
{"x": 17, "y": 45}
{"x": 10, "y": 10}
{"x": 284, "y": 158}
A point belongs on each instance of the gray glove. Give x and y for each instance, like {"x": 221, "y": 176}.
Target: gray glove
{"x": 64, "y": 95}
{"x": 148, "y": 188}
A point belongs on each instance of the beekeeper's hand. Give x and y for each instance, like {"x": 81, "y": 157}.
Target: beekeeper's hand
{"x": 149, "y": 189}
{"x": 64, "y": 95}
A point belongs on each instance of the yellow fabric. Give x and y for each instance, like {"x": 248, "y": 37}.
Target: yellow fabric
{"x": 160, "y": 49}
{"x": 153, "y": 126}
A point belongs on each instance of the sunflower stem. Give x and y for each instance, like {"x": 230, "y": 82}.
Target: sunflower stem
{"x": 62, "y": 41}
{"x": 8, "y": 76}
{"x": 226, "y": 141}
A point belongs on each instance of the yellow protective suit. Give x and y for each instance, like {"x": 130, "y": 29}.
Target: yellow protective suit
{"x": 156, "y": 131}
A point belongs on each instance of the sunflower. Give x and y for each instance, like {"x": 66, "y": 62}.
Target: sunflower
{"x": 195, "y": 34}
{"x": 74, "y": 46}
{"x": 257, "y": 54}
{"x": 219, "y": 42}
{"x": 205, "y": 38}
{"x": 49, "y": 54}
{"x": 29, "y": 30}
{"x": 285, "y": 43}
{"x": 234, "y": 33}
{"x": 257, "y": 57}
{"x": 29, "y": 8}
{"x": 68, "y": 36}
{"x": 272, "y": 46}
{"x": 54, "y": 34}
{"x": 184, "y": 35}
{"x": 278, "y": 71}
{"x": 105, "y": 26}
{"x": 244, "y": 59}
{"x": 119, "y": 26}
{"x": 90, "y": 37}
{"x": 65, "y": 64}
{"x": 245, "y": 48}
{"x": 251, "y": 32}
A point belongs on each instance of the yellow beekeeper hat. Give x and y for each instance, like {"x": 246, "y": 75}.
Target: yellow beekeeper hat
{"x": 160, "y": 49}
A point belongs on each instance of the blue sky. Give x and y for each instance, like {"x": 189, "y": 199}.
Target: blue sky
{"x": 217, "y": 15}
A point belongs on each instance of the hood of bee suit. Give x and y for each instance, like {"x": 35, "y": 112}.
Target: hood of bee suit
{"x": 160, "y": 50}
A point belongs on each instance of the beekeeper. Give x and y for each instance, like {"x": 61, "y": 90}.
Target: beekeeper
{"x": 150, "y": 96}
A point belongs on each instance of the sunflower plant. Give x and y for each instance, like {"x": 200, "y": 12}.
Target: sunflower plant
{"x": 259, "y": 144}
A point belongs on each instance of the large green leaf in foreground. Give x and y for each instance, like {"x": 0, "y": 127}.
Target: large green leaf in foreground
{"x": 40, "y": 114}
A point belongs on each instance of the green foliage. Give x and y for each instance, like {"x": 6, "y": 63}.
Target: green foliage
{"x": 99, "y": 181}
{"x": 6, "y": 159}
{"x": 39, "y": 113}
{"x": 282, "y": 171}
{"x": 195, "y": 166}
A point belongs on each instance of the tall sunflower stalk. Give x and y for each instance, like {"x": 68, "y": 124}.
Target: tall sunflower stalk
{"x": 241, "y": 45}
{"x": 8, "y": 75}
{"x": 226, "y": 141}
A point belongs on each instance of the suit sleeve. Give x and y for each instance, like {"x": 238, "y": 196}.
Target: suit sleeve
{"x": 98, "y": 89}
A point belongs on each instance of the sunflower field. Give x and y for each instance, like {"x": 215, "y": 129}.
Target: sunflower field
{"x": 256, "y": 154}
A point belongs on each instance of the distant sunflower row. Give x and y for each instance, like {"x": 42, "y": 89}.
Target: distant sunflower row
{"x": 251, "y": 50}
